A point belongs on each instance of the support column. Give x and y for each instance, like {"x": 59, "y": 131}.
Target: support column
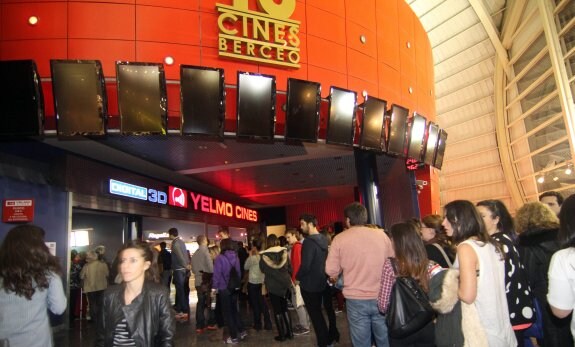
{"x": 368, "y": 185}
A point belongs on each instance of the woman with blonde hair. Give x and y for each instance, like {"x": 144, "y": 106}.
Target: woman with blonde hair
{"x": 538, "y": 227}
{"x": 30, "y": 286}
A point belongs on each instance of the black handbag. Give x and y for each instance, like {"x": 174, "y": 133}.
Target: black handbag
{"x": 409, "y": 308}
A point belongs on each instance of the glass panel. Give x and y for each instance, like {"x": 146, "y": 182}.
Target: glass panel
{"x": 534, "y": 73}
{"x": 566, "y": 14}
{"x": 532, "y": 51}
{"x": 548, "y": 134}
{"x": 551, "y": 156}
{"x": 545, "y": 112}
{"x": 544, "y": 88}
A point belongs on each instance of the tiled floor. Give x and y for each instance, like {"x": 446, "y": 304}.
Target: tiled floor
{"x": 82, "y": 333}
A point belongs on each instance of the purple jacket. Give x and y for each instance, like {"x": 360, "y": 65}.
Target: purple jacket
{"x": 222, "y": 267}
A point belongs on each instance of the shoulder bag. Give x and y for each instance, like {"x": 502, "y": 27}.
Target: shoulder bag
{"x": 409, "y": 308}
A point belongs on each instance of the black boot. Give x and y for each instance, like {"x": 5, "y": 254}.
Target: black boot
{"x": 288, "y": 330}
{"x": 281, "y": 328}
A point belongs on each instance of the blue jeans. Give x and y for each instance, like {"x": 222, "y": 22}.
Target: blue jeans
{"x": 182, "y": 303}
{"x": 365, "y": 321}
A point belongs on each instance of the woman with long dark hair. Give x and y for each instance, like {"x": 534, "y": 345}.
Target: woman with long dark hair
{"x": 481, "y": 271}
{"x": 30, "y": 286}
{"x": 275, "y": 266}
{"x": 410, "y": 260}
{"x": 499, "y": 225}
{"x": 437, "y": 243}
{"x": 136, "y": 312}
{"x": 561, "y": 295}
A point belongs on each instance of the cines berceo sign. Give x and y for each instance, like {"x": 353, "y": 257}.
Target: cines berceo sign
{"x": 265, "y": 36}
{"x": 179, "y": 197}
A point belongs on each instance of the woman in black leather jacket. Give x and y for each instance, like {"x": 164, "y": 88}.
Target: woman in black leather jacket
{"x": 137, "y": 311}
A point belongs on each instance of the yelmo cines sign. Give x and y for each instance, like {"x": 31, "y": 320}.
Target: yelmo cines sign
{"x": 269, "y": 36}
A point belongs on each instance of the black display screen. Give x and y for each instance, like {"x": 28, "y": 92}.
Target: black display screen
{"x": 80, "y": 98}
{"x": 431, "y": 144}
{"x": 302, "y": 110}
{"x": 142, "y": 98}
{"x": 373, "y": 126}
{"x": 256, "y": 106}
{"x": 397, "y": 130}
{"x": 203, "y": 104}
{"x": 341, "y": 119}
{"x": 438, "y": 162}
{"x": 416, "y": 136}
{"x": 21, "y": 100}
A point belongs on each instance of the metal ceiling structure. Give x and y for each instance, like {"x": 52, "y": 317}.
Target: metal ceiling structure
{"x": 504, "y": 93}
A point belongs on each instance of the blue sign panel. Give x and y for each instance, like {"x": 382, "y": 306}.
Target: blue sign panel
{"x": 128, "y": 190}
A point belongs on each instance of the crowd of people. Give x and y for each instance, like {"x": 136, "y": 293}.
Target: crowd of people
{"x": 490, "y": 279}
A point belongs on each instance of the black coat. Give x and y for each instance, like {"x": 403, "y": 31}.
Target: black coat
{"x": 150, "y": 316}
{"x": 276, "y": 268}
{"x": 311, "y": 273}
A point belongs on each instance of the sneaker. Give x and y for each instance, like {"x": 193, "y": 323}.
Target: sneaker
{"x": 212, "y": 327}
{"x": 337, "y": 310}
{"x": 230, "y": 341}
{"x": 200, "y": 330}
{"x": 299, "y": 330}
{"x": 182, "y": 316}
{"x": 243, "y": 335}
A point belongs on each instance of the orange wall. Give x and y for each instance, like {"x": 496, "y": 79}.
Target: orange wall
{"x": 394, "y": 63}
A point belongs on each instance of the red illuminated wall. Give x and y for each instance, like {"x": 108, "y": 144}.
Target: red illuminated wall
{"x": 394, "y": 63}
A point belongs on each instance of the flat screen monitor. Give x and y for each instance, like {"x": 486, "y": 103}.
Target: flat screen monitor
{"x": 256, "y": 106}
{"x": 438, "y": 162}
{"x": 21, "y": 100}
{"x": 302, "y": 110}
{"x": 373, "y": 125}
{"x": 80, "y": 98}
{"x": 341, "y": 117}
{"x": 142, "y": 98}
{"x": 416, "y": 139}
{"x": 397, "y": 130}
{"x": 203, "y": 101}
{"x": 431, "y": 143}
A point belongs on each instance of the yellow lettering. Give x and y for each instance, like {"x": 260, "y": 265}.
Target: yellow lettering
{"x": 293, "y": 39}
{"x": 245, "y": 26}
{"x": 280, "y": 54}
{"x": 264, "y": 54}
{"x": 261, "y": 29}
{"x": 237, "y": 46}
{"x": 250, "y": 49}
{"x": 223, "y": 44}
{"x": 279, "y": 33}
{"x": 284, "y": 10}
{"x": 293, "y": 57}
{"x": 227, "y": 17}
{"x": 240, "y": 4}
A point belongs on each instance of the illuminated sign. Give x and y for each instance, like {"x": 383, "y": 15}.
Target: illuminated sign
{"x": 412, "y": 164}
{"x": 157, "y": 236}
{"x": 269, "y": 36}
{"x": 137, "y": 192}
{"x": 17, "y": 210}
{"x": 177, "y": 197}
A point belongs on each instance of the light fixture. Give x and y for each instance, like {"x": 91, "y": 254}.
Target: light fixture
{"x": 541, "y": 179}
{"x": 33, "y": 20}
{"x": 362, "y": 39}
{"x": 169, "y": 60}
{"x": 555, "y": 178}
{"x": 569, "y": 169}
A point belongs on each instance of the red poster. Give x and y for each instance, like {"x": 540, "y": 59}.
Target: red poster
{"x": 17, "y": 210}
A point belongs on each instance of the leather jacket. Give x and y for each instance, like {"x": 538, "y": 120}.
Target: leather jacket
{"x": 150, "y": 316}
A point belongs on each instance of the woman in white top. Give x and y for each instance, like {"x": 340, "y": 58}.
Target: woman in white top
{"x": 561, "y": 294}
{"x": 481, "y": 271}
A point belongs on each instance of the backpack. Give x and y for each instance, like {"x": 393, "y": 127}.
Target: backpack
{"x": 234, "y": 281}
{"x": 409, "y": 308}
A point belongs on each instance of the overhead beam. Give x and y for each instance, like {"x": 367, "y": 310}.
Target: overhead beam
{"x": 492, "y": 33}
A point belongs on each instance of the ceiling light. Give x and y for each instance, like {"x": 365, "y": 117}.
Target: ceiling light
{"x": 33, "y": 20}
{"x": 569, "y": 169}
{"x": 169, "y": 60}
{"x": 555, "y": 178}
{"x": 541, "y": 179}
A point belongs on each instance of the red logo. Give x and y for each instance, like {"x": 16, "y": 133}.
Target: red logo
{"x": 178, "y": 197}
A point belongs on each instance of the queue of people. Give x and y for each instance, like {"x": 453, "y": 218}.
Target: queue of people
{"x": 489, "y": 279}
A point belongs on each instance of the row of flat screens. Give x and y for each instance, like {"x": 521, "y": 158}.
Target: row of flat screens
{"x": 80, "y": 103}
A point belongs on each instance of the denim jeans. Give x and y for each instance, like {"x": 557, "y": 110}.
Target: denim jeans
{"x": 201, "y": 308}
{"x": 230, "y": 311}
{"x": 182, "y": 302}
{"x": 365, "y": 320}
{"x": 166, "y": 278}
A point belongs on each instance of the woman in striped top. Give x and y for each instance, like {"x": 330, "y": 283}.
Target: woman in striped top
{"x": 136, "y": 312}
